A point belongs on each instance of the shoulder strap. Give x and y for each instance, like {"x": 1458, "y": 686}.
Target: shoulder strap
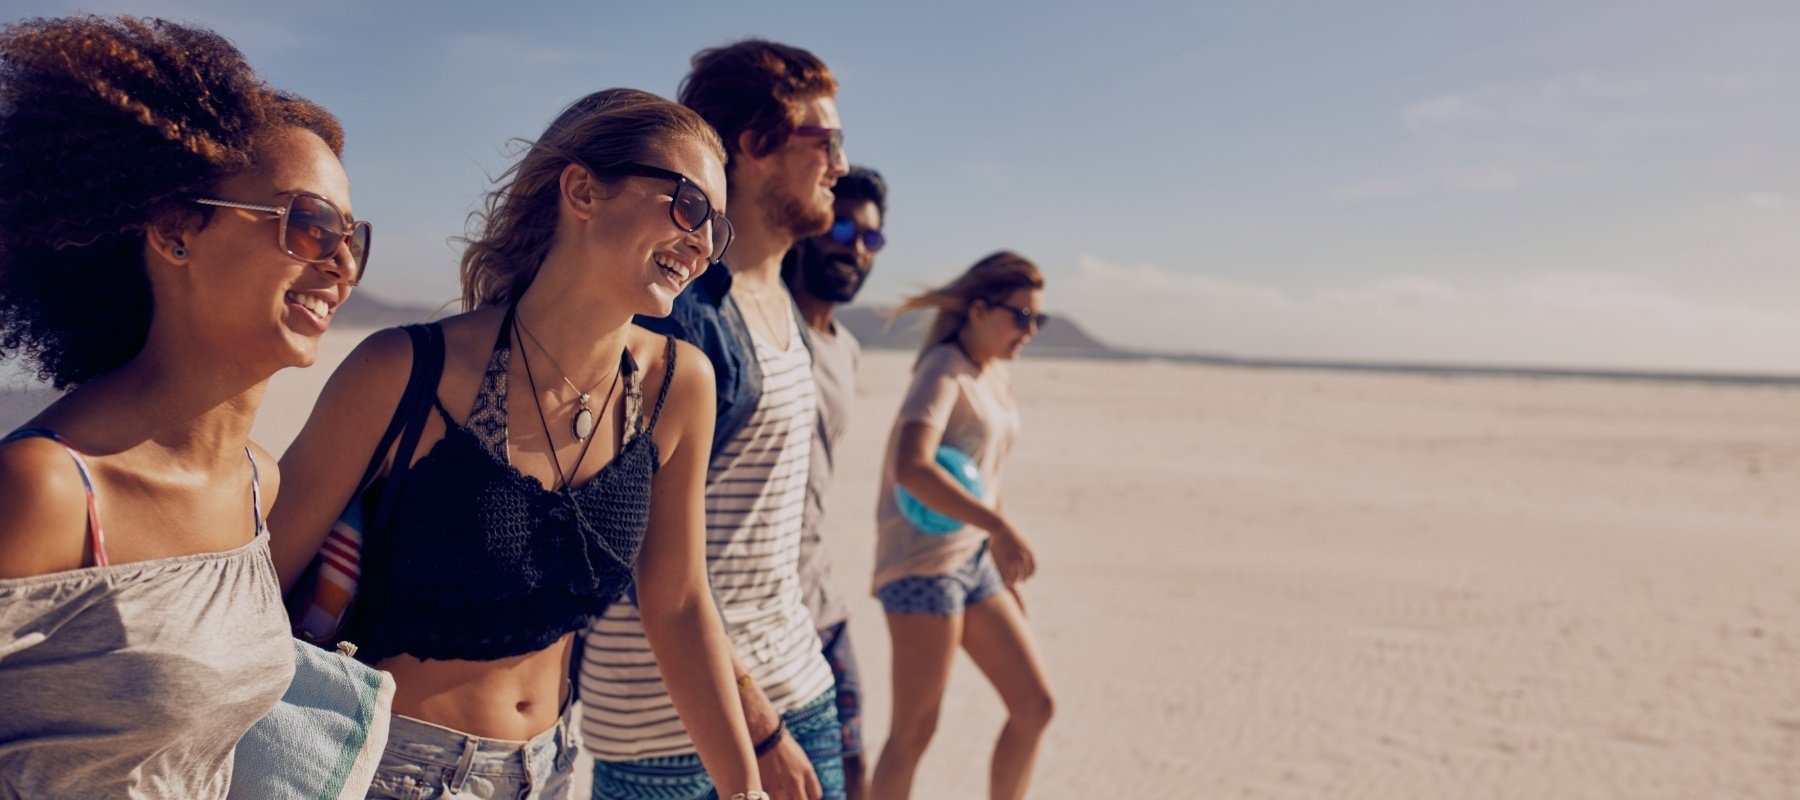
{"x": 421, "y": 393}
{"x": 95, "y": 535}
{"x": 668, "y": 379}
{"x": 255, "y": 490}
{"x": 408, "y": 398}
{"x": 407, "y": 425}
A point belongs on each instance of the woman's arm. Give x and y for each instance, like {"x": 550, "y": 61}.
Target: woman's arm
{"x": 674, "y": 600}
{"x": 320, "y": 469}
{"x": 915, "y": 468}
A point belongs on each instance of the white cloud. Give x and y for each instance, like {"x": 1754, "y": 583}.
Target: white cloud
{"x": 1501, "y": 136}
{"x": 1568, "y": 319}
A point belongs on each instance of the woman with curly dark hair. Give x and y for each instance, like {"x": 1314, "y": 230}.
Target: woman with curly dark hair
{"x": 172, "y": 233}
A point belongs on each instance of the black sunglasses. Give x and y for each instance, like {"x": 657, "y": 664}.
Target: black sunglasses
{"x": 1022, "y": 317}
{"x": 311, "y": 229}
{"x": 689, "y": 207}
{"x": 845, "y": 232}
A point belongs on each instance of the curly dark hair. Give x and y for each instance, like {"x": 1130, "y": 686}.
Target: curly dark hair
{"x": 863, "y": 185}
{"x": 106, "y": 125}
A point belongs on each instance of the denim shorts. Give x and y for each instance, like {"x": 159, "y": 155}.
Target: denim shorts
{"x": 944, "y": 595}
{"x": 814, "y": 726}
{"x": 425, "y": 761}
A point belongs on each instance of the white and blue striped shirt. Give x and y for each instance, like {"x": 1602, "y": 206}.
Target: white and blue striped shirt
{"x": 755, "y": 502}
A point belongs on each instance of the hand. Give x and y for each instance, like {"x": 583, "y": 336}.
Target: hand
{"x": 1012, "y": 555}
{"x": 787, "y": 774}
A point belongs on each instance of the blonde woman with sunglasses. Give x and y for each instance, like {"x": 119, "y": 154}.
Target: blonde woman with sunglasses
{"x": 172, "y": 233}
{"x": 561, "y": 466}
{"x": 957, "y": 584}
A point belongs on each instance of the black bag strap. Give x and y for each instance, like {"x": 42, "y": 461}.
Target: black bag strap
{"x": 408, "y": 399}
{"x": 409, "y": 418}
{"x": 407, "y": 425}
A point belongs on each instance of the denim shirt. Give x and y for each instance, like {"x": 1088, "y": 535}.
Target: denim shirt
{"x": 706, "y": 316}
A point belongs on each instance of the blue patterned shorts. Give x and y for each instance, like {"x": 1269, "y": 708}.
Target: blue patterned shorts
{"x": 813, "y": 725}
{"x": 944, "y": 595}
{"x": 836, "y": 644}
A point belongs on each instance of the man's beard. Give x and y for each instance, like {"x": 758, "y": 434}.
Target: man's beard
{"x": 832, "y": 278}
{"x": 790, "y": 213}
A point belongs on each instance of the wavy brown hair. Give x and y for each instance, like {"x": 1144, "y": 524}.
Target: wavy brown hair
{"x": 755, "y": 85}
{"x": 108, "y": 124}
{"x": 608, "y": 127}
{"x": 990, "y": 280}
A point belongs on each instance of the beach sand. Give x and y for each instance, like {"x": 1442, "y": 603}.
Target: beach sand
{"x": 1293, "y": 584}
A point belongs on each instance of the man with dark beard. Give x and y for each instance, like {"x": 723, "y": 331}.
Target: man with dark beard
{"x": 775, "y": 108}
{"x": 823, "y": 272}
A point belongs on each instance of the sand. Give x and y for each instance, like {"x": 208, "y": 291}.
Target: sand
{"x": 1291, "y": 584}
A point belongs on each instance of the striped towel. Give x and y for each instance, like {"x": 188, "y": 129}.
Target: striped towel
{"x": 324, "y": 739}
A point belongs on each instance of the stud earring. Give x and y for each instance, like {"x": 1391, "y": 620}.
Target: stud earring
{"x": 178, "y": 251}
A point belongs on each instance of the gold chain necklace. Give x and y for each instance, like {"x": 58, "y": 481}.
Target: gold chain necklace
{"x": 762, "y": 316}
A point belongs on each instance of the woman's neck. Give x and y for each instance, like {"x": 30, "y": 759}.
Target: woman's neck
{"x": 972, "y": 350}
{"x": 194, "y": 412}
{"x": 582, "y": 334}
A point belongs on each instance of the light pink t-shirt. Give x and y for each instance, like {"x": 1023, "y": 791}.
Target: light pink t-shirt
{"x": 974, "y": 408}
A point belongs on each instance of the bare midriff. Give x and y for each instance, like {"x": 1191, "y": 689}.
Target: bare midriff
{"x": 513, "y": 698}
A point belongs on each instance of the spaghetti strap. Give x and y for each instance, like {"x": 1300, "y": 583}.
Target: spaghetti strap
{"x": 95, "y": 534}
{"x": 668, "y": 378}
{"x": 255, "y": 489}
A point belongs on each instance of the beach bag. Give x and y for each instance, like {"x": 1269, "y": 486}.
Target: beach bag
{"x": 322, "y": 604}
{"x": 325, "y": 738}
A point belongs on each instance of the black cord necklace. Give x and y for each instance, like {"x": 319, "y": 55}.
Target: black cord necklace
{"x": 584, "y": 422}
{"x": 565, "y": 479}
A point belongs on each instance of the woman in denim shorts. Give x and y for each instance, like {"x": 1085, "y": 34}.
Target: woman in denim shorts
{"x": 941, "y": 590}
{"x": 541, "y": 488}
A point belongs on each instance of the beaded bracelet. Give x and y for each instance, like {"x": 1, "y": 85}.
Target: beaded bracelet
{"x": 774, "y": 738}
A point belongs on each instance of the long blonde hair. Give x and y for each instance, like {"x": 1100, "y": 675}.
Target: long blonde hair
{"x": 990, "y": 280}
{"x": 606, "y": 128}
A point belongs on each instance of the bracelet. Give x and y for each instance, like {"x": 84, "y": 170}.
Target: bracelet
{"x": 774, "y": 738}
{"x": 750, "y": 796}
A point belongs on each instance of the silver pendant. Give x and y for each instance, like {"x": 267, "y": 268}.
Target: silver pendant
{"x": 583, "y": 424}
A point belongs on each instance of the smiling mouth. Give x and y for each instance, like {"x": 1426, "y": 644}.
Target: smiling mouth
{"x": 676, "y": 271}
{"x": 319, "y": 306}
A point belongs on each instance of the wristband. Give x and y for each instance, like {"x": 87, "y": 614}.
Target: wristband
{"x": 750, "y": 796}
{"x": 774, "y": 738}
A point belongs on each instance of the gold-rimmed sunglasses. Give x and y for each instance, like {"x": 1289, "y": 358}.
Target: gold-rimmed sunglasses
{"x": 311, "y": 229}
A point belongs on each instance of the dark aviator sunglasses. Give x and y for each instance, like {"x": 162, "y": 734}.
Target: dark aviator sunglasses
{"x": 845, "y": 232}
{"x": 1022, "y": 317}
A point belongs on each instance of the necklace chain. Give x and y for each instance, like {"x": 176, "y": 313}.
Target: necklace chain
{"x": 584, "y": 422}
{"x": 564, "y": 487}
{"x": 762, "y": 314}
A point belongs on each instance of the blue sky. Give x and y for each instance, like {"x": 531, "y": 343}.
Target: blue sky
{"x": 1605, "y": 184}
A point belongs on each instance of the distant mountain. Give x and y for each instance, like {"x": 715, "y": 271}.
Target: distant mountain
{"x": 1060, "y": 337}
{"x": 364, "y": 310}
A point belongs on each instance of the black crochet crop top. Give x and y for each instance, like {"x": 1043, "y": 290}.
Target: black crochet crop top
{"x": 483, "y": 561}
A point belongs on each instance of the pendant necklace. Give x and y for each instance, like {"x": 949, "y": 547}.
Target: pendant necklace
{"x": 582, "y": 425}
